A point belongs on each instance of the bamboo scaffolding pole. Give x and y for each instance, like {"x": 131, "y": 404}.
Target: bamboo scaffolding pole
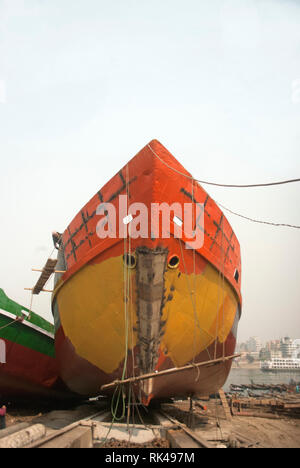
{"x": 168, "y": 372}
{"x": 40, "y": 271}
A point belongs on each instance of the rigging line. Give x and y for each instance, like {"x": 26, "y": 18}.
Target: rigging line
{"x": 130, "y": 281}
{"x": 223, "y": 288}
{"x": 133, "y": 407}
{"x": 221, "y": 297}
{"x": 126, "y": 286}
{"x": 256, "y": 220}
{"x": 219, "y": 302}
{"x": 194, "y": 281}
{"x": 192, "y": 298}
{"x": 268, "y": 184}
{"x": 114, "y": 414}
{"x": 119, "y": 389}
{"x": 127, "y": 310}
{"x": 217, "y": 314}
{"x": 130, "y": 312}
{"x": 129, "y": 413}
{"x": 30, "y": 307}
{"x": 18, "y": 319}
{"x": 138, "y": 411}
{"x": 236, "y": 214}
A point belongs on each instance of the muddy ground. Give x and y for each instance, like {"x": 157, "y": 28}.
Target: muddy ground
{"x": 270, "y": 433}
{"x": 258, "y": 431}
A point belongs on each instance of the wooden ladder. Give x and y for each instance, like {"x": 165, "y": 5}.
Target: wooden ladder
{"x": 225, "y": 404}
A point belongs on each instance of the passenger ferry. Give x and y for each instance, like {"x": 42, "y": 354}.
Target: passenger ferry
{"x": 281, "y": 364}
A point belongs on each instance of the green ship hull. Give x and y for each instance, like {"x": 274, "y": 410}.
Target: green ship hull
{"x": 28, "y": 368}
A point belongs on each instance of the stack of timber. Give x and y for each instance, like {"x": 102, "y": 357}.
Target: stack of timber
{"x": 225, "y": 404}
{"x": 276, "y": 407}
{"x": 281, "y": 388}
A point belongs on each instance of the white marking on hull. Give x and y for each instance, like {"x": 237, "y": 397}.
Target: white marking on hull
{"x": 2, "y": 352}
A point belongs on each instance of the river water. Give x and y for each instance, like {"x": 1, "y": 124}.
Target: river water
{"x": 245, "y": 376}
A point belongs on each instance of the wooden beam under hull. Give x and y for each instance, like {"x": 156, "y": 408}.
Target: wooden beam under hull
{"x": 168, "y": 372}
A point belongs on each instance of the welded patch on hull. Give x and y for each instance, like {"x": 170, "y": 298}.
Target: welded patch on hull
{"x": 151, "y": 266}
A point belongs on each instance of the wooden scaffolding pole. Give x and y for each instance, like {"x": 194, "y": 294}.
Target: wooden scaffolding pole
{"x": 168, "y": 372}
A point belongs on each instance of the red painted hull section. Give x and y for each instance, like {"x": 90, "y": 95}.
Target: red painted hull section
{"x": 82, "y": 376}
{"x": 29, "y": 374}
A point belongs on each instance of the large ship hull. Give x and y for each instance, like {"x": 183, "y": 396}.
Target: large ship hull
{"x": 28, "y": 368}
{"x": 129, "y": 306}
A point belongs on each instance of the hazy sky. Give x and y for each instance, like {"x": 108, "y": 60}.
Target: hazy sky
{"x": 85, "y": 84}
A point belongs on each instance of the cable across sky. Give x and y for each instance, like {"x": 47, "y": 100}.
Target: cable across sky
{"x": 269, "y": 184}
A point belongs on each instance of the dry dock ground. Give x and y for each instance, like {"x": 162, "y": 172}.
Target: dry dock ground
{"x": 209, "y": 424}
{"x": 269, "y": 433}
{"x": 248, "y": 431}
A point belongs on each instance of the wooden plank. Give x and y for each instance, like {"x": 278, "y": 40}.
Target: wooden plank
{"x": 78, "y": 437}
{"x": 179, "y": 439}
{"x": 290, "y": 405}
{"x": 203, "y": 442}
{"x": 225, "y": 404}
{"x": 252, "y": 414}
{"x": 40, "y": 271}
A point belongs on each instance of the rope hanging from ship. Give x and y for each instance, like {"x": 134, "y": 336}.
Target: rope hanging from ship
{"x": 268, "y": 184}
{"x": 221, "y": 290}
{"x": 119, "y": 389}
{"x": 192, "y": 293}
{"x": 128, "y": 332}
{"x": 18, "y": 319}
{"x": 236, "y": 186}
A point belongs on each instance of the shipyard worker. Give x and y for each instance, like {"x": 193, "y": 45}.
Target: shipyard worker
{"x": 2, "y": 417}
{"x": 56, "y": 236}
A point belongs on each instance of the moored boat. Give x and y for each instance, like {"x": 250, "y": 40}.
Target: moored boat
{"x": 137, "y": 297}
{"x": 28, "y": 368}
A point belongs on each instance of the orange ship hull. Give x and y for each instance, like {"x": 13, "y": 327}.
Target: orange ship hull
{"x": 144, "y": 302}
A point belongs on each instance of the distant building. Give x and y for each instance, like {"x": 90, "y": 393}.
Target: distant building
{"x": 273, "y": 345}
{"x": 273, "y": 348}
{"x": 287, "y": 347}
{"x": 241, "y": 348}
{"x": 296, "y": 349}
{"x": 265, "y": 354}
{"x": 254, "y": 344}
